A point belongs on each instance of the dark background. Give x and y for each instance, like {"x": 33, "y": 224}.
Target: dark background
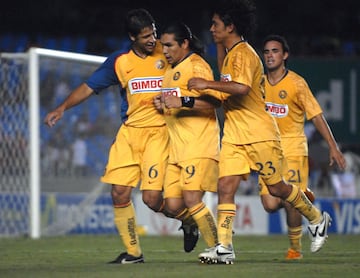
{"x": 313, "y": 27}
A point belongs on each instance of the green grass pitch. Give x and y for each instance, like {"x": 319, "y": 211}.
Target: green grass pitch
{"x": 256, "y": 256}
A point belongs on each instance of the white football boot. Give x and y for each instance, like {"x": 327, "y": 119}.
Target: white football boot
{"x": 218, "y": 254}
{"x": 319, "y": 232}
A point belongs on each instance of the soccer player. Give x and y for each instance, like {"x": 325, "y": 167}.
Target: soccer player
{"x": 194, "y": 133}
{"x": 251, "y": 138}
{"x": 140, "y": 151}
{"x": 289, "y": 99}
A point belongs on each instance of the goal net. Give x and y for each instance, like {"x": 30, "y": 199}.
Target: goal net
{"x": 36, "y": 162}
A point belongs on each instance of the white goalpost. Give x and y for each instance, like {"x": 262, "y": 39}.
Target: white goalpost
{"x": 34, "y": 54}
{"x": 32, "y": 84}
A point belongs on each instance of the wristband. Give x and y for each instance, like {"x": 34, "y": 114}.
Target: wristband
{"x": 187, "y": 102}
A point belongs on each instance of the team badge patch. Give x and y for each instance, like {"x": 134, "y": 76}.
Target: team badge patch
{"x": 282, "y": 94}
{"x": 176, "y": 75}
{"x": 160, "y": 64}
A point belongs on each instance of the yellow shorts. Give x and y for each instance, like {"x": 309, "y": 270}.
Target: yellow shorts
{"x": 266, "y": 158}
{"x": 195, "y": 174}
{"x": 138, "y": 154}
{"x": 296, "y": 171}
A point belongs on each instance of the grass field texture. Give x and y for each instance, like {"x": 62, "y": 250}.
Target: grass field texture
{"x": 256, "y": 256}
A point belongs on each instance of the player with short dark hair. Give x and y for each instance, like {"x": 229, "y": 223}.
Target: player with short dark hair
{"x": 141, "y": 148}
{"x": 290, "y": 100}
{"x": 251, "y": 139}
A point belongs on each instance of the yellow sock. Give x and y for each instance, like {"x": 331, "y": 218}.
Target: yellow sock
{"x": 295, "y": 234}
{"x": 125, "y": 221}
{"x": 206, "y": 223}
{"x": 226, "y": 215}
{"x": 299, "y": 200}
{"x": 185, "y": 217}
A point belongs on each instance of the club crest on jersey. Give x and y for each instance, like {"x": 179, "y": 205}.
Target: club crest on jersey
{"x": 176, "y": 75}
{"x": 277, "y": 110}
{"x": 145, "y": 85}
{"x": 160, "y": 64}
{"x": 176, "y": 92}
{"x": 282, "y": 94}
{"x": 225, "y": 77}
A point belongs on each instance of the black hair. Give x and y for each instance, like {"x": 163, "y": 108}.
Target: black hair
{"x": 240, "y": 13}
{"x": 183, "y": 32}
{"x": 136, "y": 20}
{"x": 279, "y": 39}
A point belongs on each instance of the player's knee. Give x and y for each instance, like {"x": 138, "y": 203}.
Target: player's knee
{"x": 153, "y": 199}
{"x": 270, "y": 203}
{"x": 227, "y": 188}
{"x": 280, "y": 189}
{"x": 120, "y": 194}
{"x": 174, "y": 206}
{"x": 270, "y": 209}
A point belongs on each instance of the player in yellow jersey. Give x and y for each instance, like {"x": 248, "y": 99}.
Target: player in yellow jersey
{"x": 140, "y": 151}
{"x": 290, "y": 100}
{"x": 251, "y": 138}
{"x": 194, "y": 133}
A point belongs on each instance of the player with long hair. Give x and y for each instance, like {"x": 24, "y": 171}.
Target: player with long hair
{"x": 194, "y": 133}
{"x": 251, "y": 139}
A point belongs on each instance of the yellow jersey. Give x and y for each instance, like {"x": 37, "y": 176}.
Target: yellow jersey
{"x": 246, "y": 118}
{"x": 142, "y": 80}
{"x": 290, "y": 101}
{"x": 193, "y": 133}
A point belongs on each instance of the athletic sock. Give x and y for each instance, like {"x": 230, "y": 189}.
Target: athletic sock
{"x": 125, "y": 221}
{"x": 299, "y": 200}
{"x": 206, "y": 223}
{"x": 185, "y": 217}
{"x": 295, "y": 234}
{"x": 226, "y": 215}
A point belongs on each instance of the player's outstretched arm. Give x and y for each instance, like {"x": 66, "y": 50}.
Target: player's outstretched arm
{"x": 201, "y": 102}
{"x": 334, "y": 151}
{"x": 229, "y": 87}
{"x": 77, "y": 96}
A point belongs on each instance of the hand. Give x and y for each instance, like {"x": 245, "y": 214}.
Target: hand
{"x": 197, "y": 83}
{"x": 172, "y": 102}
{"x": 337, "y": 156}
{"x": 158, "y": 102}
{"x": 52, "y": 117}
